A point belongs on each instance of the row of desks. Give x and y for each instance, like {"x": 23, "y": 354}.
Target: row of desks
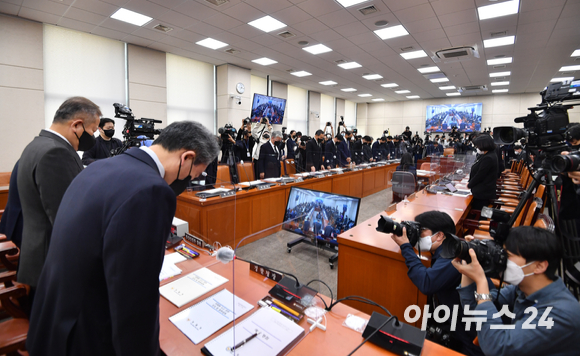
{"x": 258, "y": 213}
{"x": 252, "y": 287}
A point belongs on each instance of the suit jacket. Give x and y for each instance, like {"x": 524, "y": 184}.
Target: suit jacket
{"x": 269, "y": 162}
{"x": 367, "y": 153}
{"x": 313, "y": 155}
{"x": 343, "y": 152}
{"x": 45, "y": 170}
{"x": 11, "y": 223}
{"x": 290, "y": 147}
{"x": 99, "y": 291}
{"x": 330, "y": 154}
{"x": 483, "y": 176}
{"x": 100, "y": 150}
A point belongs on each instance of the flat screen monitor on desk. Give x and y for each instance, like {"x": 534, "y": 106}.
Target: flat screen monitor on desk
{"x": 319, "y": 214}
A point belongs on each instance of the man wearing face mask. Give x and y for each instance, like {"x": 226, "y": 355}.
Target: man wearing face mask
{"x": 270, "y": 157}
{"x": 534, "y": 256}
{"x": 291, "y": 145}
{"x": 99, "y": 290}
{"x": 483, "y": 175}
{"x": 314, "y": 152}
{"x": 104, "y": 144}
{"x": 46, "y": 168}
{"x": 438, "y": 282}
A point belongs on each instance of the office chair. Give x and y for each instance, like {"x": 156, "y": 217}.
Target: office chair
{"x": 403, "y": 183}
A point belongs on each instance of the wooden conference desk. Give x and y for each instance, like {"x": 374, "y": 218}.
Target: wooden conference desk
{"x": 371, "y": 264}
{"x": 250, "y": 286}
{"x": 259, "y": 213}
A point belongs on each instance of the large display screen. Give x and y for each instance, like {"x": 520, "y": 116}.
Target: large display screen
{"x": 442, "y": 118}
{"x": 318, "y": 214}
{"x": 268, "y": 107}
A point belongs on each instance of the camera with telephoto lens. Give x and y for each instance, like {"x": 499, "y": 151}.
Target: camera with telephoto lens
{"x": 228, "y": 131}
{"x": 264, "y": 121}
{"x": 490, "y": 254}
{"x": 566, "y": 163}
{"x": 389, "y": 226}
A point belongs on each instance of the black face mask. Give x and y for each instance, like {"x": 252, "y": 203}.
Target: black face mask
{"x": 179, "y": 185}
{"x": 86, "y": 141}
{"x": 320, "y": 140}
{"x": 109, "y": 133}
{"x": 279, "y": 144}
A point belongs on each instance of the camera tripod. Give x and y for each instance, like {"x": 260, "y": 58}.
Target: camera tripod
{"x": 571, "y": 245}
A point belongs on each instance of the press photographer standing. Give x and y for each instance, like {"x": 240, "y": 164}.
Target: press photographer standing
{"x": 483, "y": 176}
{"x": 104, "y": 144}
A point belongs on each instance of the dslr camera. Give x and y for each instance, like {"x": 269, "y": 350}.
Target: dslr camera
{"x": 328, "y": 123}
{"x": 134, "y": 129}
{"x": 228, "y": 130}
{"x": 389, "y": 226}
{"x": 264, "y": 121}
{"x": 247, "y": 120}
{"x": 490, "y": 254}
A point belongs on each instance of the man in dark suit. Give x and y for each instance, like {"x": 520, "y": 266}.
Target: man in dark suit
{"x": 244, "y": 146}
{"x": 104, "y": 144}
{"x": 379, "y": 151}
{"x": 11, "y": 223}
{"x": 314, "y": 152}
{"x": 330, "y": 151}
{"x": 291, "y": 145}
{"x": 45, "y": 170}
{"x": 99, "y": 291}
{"x": 367, "y": 153}
{"x": 343, "y": 149}
{"x": 270, "y": 157}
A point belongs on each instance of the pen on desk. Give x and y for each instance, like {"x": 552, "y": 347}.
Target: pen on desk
{"x": 243, "y": 342}
{"x": 279, "y": 304}
{"x": 283, "y": 312}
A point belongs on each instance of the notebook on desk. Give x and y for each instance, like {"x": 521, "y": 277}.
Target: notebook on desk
{"x": 192, "y": 286}
{"x": 276, "y": 336}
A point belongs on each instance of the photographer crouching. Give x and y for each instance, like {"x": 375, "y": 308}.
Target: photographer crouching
{"x": 544, "y": 317}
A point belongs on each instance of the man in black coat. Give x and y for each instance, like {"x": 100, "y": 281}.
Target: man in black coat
{"x": 314, "y": 152}
{"x": 104, "y": 144}
{"x": 291, "y": 145}
{"x": 45, "y": 170}
{"x": 270, "y": 157}
{"x": 367, "y": 153}
{"x": 483, "y": 176}
{"x": 99, "y": 291}
{"x": 331, "y": 152}
{"x": 244, "y": 146}
{"x": 11, "y": 223}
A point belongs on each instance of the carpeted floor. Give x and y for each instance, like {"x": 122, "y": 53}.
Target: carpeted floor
{"x": 307, "y": 262}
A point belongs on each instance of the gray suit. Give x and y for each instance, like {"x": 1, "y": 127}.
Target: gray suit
{"x": 47, "y": 167}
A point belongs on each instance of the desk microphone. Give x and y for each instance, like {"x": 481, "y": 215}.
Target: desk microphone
{"x": 221, "y": 180}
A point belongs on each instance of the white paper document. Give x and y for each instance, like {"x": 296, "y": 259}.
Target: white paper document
{"x": 247, "y": 184}
{"x": 168, "y": 269}
{"x": 276, "y": 335}
{"x": 202, "y": 320}
{"x": 192, "y": 286}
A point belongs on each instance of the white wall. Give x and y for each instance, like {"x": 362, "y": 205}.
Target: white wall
{"x": 327, "y": 113}
{"x": 258, "y": 85}
{"x": 21, "y": 87}
{"x": 297, "y": 109}
{"x": 498, "y": 110}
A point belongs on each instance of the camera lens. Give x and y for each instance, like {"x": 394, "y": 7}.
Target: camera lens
{"x": 568, "y": 163}
{"x": 388, "y": 226}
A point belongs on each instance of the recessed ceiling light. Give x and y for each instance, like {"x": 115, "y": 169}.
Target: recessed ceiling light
{"x": 491, "y": 62}
{"x": 131, "y": 17}
{"x": 348, "y": 89}
{"x": 264, "y": 61}
{"x": 365, "y": 95}
{"x": 500, "y": 74}
{"x": 347, "y": 3}
{"x": 561, "y": 79}
{"x": 497, "y": 10}
{"x": 402, "y": 91}
{"x": 499, "y": 91}
{"x": 576, "y": 53}
{"x": 569, "y": 68}
{"x": 452, "y": 94}
{"x": 390, "y": 85}
{"x": 301, "y": 73}
{"x": 267, "y": 24}
{"x": 211, "y": 43}
{"x": 328, "y": 82}
{"x": 349, "y": 65}
{"x": 428, "y": 69}
{"x": 497, "y": 42}
{"x": 413, "y": 97}
{"x": 414, "y": 54}
{"x": 379, "y": 99}
{"x": 391, "y": 32}
{"x": 372, "y": 76}
{"x": 317, "y": 49}
{"x": 449, "y": 87}
{"x": 439, "y": 80}
{"x": 495, "y": 84}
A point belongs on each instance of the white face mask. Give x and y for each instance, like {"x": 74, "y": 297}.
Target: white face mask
{"x": 478, "y": 151}
{"x": 425, "y": 243}
{"x": 514, "y": 274}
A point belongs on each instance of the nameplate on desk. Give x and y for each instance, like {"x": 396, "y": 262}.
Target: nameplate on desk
{"x": 340, "y": 172}
{"x": 263, "y": 186}
{"x": 228, "y": 194}
{"x": 298, "y": 180}
{"x": 275, "y": 276}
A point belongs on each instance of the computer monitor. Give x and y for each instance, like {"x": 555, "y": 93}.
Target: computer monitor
{"x": 268, "y": 107}
{"x": 442, "y": 118}
{"x": 313, "y": 213}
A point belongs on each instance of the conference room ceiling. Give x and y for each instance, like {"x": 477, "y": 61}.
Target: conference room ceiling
{"x": 546, "y": 33}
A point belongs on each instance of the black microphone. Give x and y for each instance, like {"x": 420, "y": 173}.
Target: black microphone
{"x": 216, "y": 178}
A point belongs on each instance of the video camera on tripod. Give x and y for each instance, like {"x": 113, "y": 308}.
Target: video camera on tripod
{"x": 134, "y": 129}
